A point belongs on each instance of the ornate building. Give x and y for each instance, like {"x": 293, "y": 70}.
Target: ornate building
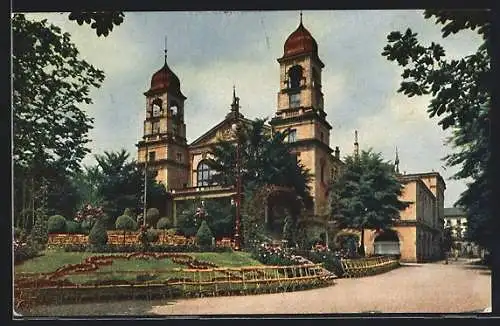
{"x": 182, "y": 168}
{"x": 300, "y": 111}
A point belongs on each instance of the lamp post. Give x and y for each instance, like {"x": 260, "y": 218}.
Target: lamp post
{"x": 237, "y": 238}
{"x": 144, "y": 208}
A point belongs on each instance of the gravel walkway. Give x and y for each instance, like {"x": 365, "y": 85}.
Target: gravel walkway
{"x": 433, "y": 288}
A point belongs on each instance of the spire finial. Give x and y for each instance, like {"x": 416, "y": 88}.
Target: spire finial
{"x": 356, "y": 145}
{"x": 165, "y": 49}
{"x": 236, "y": 101}
{"x": 301, "y": 17}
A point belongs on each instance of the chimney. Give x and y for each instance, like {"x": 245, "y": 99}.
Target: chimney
{"x": 337, "y": 152}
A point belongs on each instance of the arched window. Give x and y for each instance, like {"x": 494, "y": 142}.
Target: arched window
{"x": 204, "y": 174}
{"x": 294, "y": 76}
{"x": 174, "y": 108}
{"x": 156, "y": 107}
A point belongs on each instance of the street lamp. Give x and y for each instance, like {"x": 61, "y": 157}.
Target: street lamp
{"x": 237, "y": 238}
{"x": 145, "y": 186}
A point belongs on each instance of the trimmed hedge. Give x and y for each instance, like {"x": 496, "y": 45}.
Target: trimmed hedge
{"x": 152, "y": 216}
{"x": 164, "y": 223}
{"x": 125, "y": 223}
{"x": 56, "y": 224}
{"x": 204, "y": 235}
{"x": 73, "y": 227}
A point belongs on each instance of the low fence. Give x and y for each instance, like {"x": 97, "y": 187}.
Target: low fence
{"x": 368, "y": 266}
{"x": 181, "y": 283}
{"x": 129, "y": 238}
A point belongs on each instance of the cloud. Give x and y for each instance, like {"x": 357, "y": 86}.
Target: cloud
{"x": 211, "y": 51}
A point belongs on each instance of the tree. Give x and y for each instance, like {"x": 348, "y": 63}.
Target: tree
{"x": 461, "y": 96}
{"x": 125, "y": 223}
{"x": 122, "y": 182}
{"x": 98, "y": 236}
{"x": 265, "y": 159}
{"x": 102, "y": 21}
{"x": 366, "y": 194}
{"x": 50, "y": 128}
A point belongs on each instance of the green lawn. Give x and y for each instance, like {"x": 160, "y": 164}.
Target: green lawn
{"x": 51, "y": 260}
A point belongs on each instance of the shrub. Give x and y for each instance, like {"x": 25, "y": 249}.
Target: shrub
{"x": 152, "y": 216}
{"x": 171, "y": 231}
{"x": 129, "y": 212}
{"x": 73, "y": 227}
{"x": 204, "y": 235}
{"x": 24, "y": 251}
{"x": 56, "y": 224}
{"x": 98, "y": 235}
{"x": 164, "y": 223}
{"x": 152, "y": 235}
{"x": 125, "y": 223}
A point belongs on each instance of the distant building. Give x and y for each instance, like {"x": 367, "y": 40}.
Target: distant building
{"x": 456, "y": 219}
{"x": 420, "y": 228}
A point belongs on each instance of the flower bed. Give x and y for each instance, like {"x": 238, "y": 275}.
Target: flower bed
{"x": 200, "y": 279}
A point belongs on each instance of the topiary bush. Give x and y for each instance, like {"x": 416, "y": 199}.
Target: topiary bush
{"x": 129, "y": 212}
{"x": 204, "y": 235}
{"x": 56, "y": 224}
{"x": 164, "y": 223}
{"x": 125, "y": 223}
{"x": 73, "y": 227}
{"x": 98, "y": 236}
{"x": 152, "y": 235}
{"x": 152, "y": 216}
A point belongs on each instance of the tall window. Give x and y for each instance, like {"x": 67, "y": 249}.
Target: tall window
{"x": 179, "y": 157}
{"x": 204, "y": 174}
{"x": 152, "y": 156}
{"x": 156, "y": 127}
{"x": 292, "y": 135}
{"x": 294, "y": 76}
{"x": 295, "y": 100}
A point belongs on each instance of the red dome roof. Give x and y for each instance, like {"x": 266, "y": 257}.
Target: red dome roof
{"x": 300, "y": 41}
{"x": 165, "y": 79}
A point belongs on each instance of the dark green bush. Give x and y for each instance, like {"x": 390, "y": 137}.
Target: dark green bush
{"x": 152, "y": 216}
{"x": 73, "y": 227}
{"x": 98, "y": 235}
{"x": 125, "y": 223}
{"x": 56, "y": 224}
{"x": 129, "y": 212}
{"x": 204, "y": 236}
{"x": 164, "y": 223}
{"x": 152, "y": 235}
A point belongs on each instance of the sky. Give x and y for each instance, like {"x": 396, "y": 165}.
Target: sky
{"x": 212, "y": 51}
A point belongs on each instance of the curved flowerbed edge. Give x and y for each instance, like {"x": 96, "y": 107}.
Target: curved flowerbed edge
{"x": 49, "y": 289}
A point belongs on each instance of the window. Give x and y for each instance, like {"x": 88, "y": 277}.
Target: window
{"x": 295, "y": 100}
{"x": 321, "y": 136}
{"x": 322, "y": 172}
{"x": 292, "y": 135}
{"x": 152, "y": 156}
{"x": 174, "y": 108}
{"x": 294, "y": 76}
{"x": 204, "y": 174}
{"x": 156, "y": 127}
{"x": 179, "y": 157}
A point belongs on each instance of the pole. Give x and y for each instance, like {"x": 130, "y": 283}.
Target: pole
{"x": 237, "y": 239}
{"x": 145, "y": 187}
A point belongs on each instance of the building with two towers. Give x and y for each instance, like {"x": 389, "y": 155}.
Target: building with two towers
{"x": 182, "y": 167}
